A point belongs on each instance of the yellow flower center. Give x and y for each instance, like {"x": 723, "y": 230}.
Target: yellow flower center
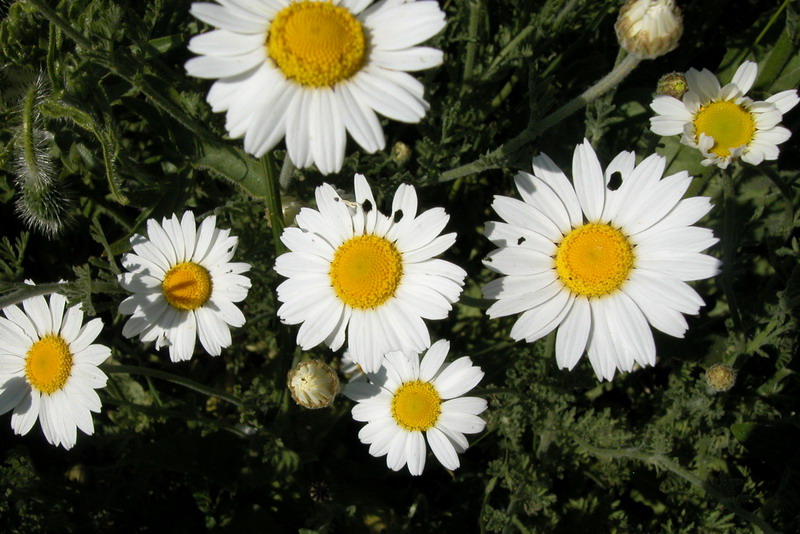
{"x": 366, "y": 271}
{"x": 416, "y": 405}
{"x": 729, "y": 124}
{"x": 187, "y": 286}
{"x": 317, "y": 44}
{"x": 48, "y": 364}
{"x": 594, "y": 260}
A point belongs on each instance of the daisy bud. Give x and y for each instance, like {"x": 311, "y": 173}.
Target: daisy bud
{"x": 649, "y": 28}
{"x": 673, "y": 84}
{"x": 401, "y": 153}
{"x": 720, "y": 377}
{"x": 313, "y": 384}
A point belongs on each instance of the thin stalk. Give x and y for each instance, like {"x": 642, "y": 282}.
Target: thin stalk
{"x": 63, "y": 24}
{"x": 175, "y": 379}
{"x": 729, "y": 244}
{"x": 500, "y": 156}
{"x": 659, "y": 461}
{"x": 475, "y": 8}
{"x": 274, "y": 202}
{"x": 25, "y": 291}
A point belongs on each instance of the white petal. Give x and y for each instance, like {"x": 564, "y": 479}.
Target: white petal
{"x": 785, "y": 100}
{"x": 401, "y": 25}
{"x": 360, "y": 120}
{"x": 573, "y": 334}
{"x": 225, "y": 43}
{"x": 327, "y": 131}
{"x": 442, "y": 448}
{"x": 433, "y": 360}
{"x": 745, "y": 76}
{"x": 407, "y": 59}
{"x": 544, "y": 168}
{"x": 220, "y": 17}
{"x": 39, "y": 312}
{"x": 589, "y": 182}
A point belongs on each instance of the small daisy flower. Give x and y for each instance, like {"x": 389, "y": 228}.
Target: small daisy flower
{"x": 598, "y": 264}
{"x": 723, "y": 123}
{"x": 48, "y": 369}
{"x": 408, "y": 398}
{"x": 184, "y": 286}
{"x": 312, "y": 70}
{"x": 355, "y": 273}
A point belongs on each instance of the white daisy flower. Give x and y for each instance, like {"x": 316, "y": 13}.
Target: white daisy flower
{"x": 311, "y": 70}
{"x": 407, "y": 398}
{"x": 48, "y": 368}
{"x": 355, "y": 273}
{"x": 721, "y": 122}
{"x": 598, "y": 264}
{"x": 184, "y": 286}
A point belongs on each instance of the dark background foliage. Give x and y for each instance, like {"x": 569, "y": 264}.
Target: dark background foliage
{"x": 120, "y": 133}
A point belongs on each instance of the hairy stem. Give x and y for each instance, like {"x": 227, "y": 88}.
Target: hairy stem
{"x": 501, "y": 156}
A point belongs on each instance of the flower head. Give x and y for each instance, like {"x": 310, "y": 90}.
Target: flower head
{"x": 723, "y": 123}
{"x": 313, "y": 384}
{"x": 357, "y": 274}
{"x": 598, "y": 264}
{"x": 184, "y": 286}
{"x": 720, "y": 377}
{"x": 311, "y": 70}
{"x": 48, "y": 368}
{"x": 649, "y": 28}
{"x": 406, "y": 398}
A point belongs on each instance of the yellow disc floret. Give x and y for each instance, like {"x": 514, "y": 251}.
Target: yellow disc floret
{"x": 366, "y": 271}
{"x": 594, "y": 260}
{"x": 187, "y": 286}
{"x": 416, "y": 405}
{"x": 48, "y": 364}
{"x": 729, "y": 124}
{"x": 316, "y": 44}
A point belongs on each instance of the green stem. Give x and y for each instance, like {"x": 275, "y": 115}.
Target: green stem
{"x": 63, "y": 24}
{"x": 501, "y": 156}
{"x": 659, "y": 461}
{"x": 729, "y": 240}
{"x": 274, "y": 201}
{"x": 472, "y": 43}
{"x": 25, "y": 291}
{"x": 175, "y": 379}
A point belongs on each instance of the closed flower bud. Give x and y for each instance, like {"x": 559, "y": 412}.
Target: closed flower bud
{"x": 720, "y": 377}
{"x": 313, "y": 384}
{"x": 401, "y": 153}
{"x": 649, "y": 28}
{"x": 673, "y": 84}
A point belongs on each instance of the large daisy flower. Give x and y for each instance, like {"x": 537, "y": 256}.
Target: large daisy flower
{"x": 406, "y": 398}
{"x": 311, "y": 70}
{"x": 599, "y": 264}
{"x": 355, "y": 273}
{"x": 723, "y": 123}
{"x": 184, "y": 286}
{"x": 48, "y": 368}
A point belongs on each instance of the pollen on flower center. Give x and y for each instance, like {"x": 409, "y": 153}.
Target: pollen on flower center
{"x": 317, "y": 44}
{"x": 729, "y": 124}
{"x": 594, "y": 260}
{"x": 187, "y": 286}
{"x": 48, "y": 364}
{"x": 416, "y": 405}
{"x": 366, "y": 271}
